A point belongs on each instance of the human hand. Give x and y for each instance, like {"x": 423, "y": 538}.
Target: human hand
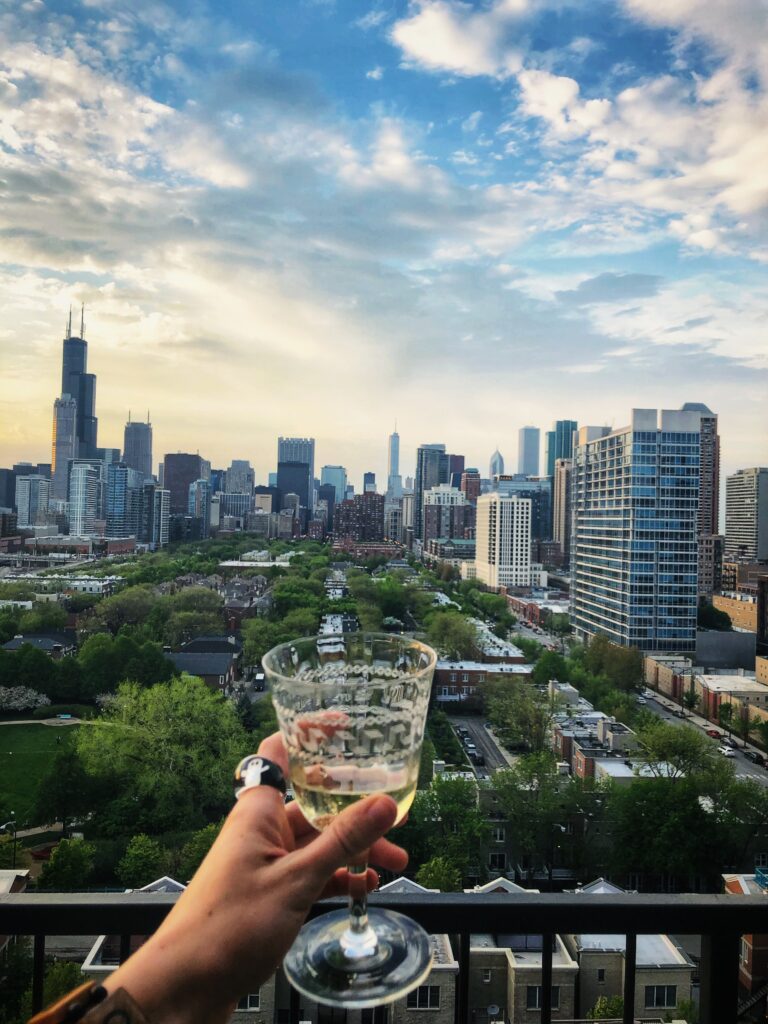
{"x": 239, "y": 916}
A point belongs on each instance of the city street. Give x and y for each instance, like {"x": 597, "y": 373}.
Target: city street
{"x": 485, "y": 743}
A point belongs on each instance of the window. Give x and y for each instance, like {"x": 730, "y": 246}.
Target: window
{"x": 497, "y": 862}
{"x": 425, "y": 997}
{"x": 499, "y": 834}
{"x": 486, "y": 976}
{"x": 533, "y": 997}
{"x": 761, "y": 860}
{"x": 660, "y": 996}
{"x": 745, "y": 950}
{"x": 601, "y": 974}
{"x": 250, "y": 1002}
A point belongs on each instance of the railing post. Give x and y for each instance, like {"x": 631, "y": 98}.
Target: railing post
{"x": 38, "y": 973}
{"x": 294, "y": 1009}
{"x": 125, "y": 948}
{"x": 719, "y": 973}
{"x": 630, "y": 958}
{"x": 462, "y": 982}
{"x": 546, "y": 978}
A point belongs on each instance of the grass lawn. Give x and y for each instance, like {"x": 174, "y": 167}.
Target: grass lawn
{"x": 26, "y": 752}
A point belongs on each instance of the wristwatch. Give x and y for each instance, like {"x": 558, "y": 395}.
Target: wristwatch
{"x": 90, "y": 1004}
{"x": 255, "y": 770}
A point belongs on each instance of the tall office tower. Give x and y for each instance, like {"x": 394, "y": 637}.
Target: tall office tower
{"x": 122, "y": 500}
{"x": 180, "y": 469}
{"x": 199, "y": 504}
{"x": 496, "y": 465}
{"x": 503, "y": 540}
{"x": 218, "y": 480}
{"x": 394, "y": 480}
{"x": 635, "y": 499}
{"x": 294, "y": 478}
{"x": 7, "y": 488}
{"x": 299, "y": 449}
{"x": 746, "y": 515}
{"x": 154, "y": 514}
{"x": 561, "y": 507}
{"x": 431, "y": 470}
{"x": 327, "y": 493}
{"x": 528, "y": 444}
{"x": 108, "y": 455}
{"x": 539, "y": 490}
{"x": 438, "y": 518}
{"x": 86, "y": 496}
{"x": 709, "y": 468}
{"x": 137, "y": 447}
{"x": 559, "y": 443}
{"x": 369, "y": 483}
{"x": 80, "y": 385}
{"x": 336, "y": 475}
{"x": 241, "y": 479}
{"x": 64, "y": 445}
{"x": 470, "y": 485}
{"x": 32, "y": 497}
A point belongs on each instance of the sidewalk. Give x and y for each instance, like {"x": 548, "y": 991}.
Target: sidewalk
{"x": 693, "y": 718}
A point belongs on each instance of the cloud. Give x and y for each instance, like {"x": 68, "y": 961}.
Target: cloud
{"x": 471, "y": 123}
{"x": 371, "y": 20}
{"x": 610, "y": 287}
{"x": 446, "y": 35}
{"x": 375, "y": 73}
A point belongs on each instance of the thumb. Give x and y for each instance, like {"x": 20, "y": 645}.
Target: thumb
{"x": 348, "y": 837}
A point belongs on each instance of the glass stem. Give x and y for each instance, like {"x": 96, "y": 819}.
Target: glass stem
{"x": 359, "y": 939}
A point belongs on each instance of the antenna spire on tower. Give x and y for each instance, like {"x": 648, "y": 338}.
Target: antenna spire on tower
{"x": 82, "y": 321}
{"x": 129, "y": 415}
{"x": 69, "y": 322}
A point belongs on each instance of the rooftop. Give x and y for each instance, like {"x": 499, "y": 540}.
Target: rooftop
{"x": 202, "y": 664}
{"x": 732, "y": 684}
{"x": 482, "y": 666}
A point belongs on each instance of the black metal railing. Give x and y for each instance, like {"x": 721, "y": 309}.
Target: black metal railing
{"x": 720, "y": 921}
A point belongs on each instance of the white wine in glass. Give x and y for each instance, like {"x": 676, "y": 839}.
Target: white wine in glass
{"x": 352, "y": 715}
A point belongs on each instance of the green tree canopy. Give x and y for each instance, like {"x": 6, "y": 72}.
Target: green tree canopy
{"x": 520, "y": 712}
{"x": 70, "y": 866}
{"x": 709, "y": 617}
{"x": 164, "y": 756}
{"x": 195, "y": 850}
{"x": 550, "y": 666}
{"x": 452, "y": 634}
{"x": 439, "y": 873}
{"x": 144, "y": 861}
{"x": 65, "y": 791}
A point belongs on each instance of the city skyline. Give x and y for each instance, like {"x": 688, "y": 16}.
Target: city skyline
{"x": 543, "y": 212}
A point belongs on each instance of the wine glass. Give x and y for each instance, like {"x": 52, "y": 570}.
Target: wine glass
{"x": 352, "y": 710}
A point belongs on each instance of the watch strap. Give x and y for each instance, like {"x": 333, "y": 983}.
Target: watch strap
{"x": 90, "y": 1004}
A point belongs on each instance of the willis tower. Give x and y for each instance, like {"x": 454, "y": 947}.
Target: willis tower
{"x": 80, "y": 385}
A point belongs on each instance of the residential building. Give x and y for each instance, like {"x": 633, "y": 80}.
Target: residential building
{"x": 444, "y": 513}
{"x": 470, "y": 485}
{"x": 528, "y": 445}
{"x": 741, "y": 609}
{"x": 634, "y": 550}
{"x": 561, "y": 506}
{"x": 559, "y": 443}
{"x": 393, "y": 521}
{"x": 539, "y": 491}
{"x": 431, "y": 469}
{"x": 137, "y": 447}
{"x": 496, "y": 465}
{"x": 746, "y": 515}
{"x": 361, "y": 519}
{"x": 503, "y": 536}
{"x": 710, "y": 561}
{"x": 154, "y": 514}
{"x": 122, "y": 500}
{"x": 753, "y": 951}
{"x": 459, "y": 681}
{"x": 199, "y": 504}
{"x": 369, "y": 482}
{"x": 65, "y": 445}
{"x": 181, "y": 469}
{"x": 32, "y": 498}
{"x": 337, "y": 477}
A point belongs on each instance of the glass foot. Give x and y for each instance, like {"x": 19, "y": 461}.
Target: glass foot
{"x": 318, "y": 966}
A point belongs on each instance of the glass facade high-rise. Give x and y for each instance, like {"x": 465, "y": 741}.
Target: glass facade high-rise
{"x": 394, "y": 480}
{"x": 496, "y": 465}
{"x": 294, "y": 450}
{"x": 337, "y": 476}
{"x": 32, "y": 497}
{"x": 86, "y": 496}
{"x": 80, "y": 385}
{"x": 65, "y": 446}
{"x": 137, "y": 447}
{"x": 559, "y": 443}
{"x": 635, "y": 498}
{"x": 180, "y": 470}
{"x": 431, "y": 470}
{"x": 528, "y": 444}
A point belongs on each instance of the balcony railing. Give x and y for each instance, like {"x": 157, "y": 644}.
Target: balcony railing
{"x": 720, "y": 921}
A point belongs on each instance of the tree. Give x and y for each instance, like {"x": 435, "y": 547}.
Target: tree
{"x": 300, "y": 622}
{"x": 43, "y": 617}
{"x": 521, "y": 713}
{"x": 622, "y": 666}
{"x": 607, "y": 1008}
{"x": 451, "y": 633}
{"x": 143, "y": 862}
{"x": 691, "y": 700}
{"x": 61, "y": 977}
{"x": 439, "y": 873}
{"x": 709, "y": 617}
{"x": 725, "y": 716}
{"x": 195, "y": 850}
{"x": 69, "y": 867}
{"x": 164, "y": 756}
{"x": 550, "y": 666}
{"x": 674, "y": 752}
{"x": 183, "y": 626}
{"x": 65, "y": 791}
{"x": 106, "y": 661}
{"x": 196, "y": 599}
{"x": 260, "y": 636}
{"x": 130, "y": 607}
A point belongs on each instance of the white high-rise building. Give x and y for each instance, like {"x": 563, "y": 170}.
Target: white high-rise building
{"x": 86, "y": 497}
{"x": 746, "y": 515}
{"x": 64, "y": 445}
{"x": 32, "y": 496}
{"x": 503, "y": 547}
{"x": 394, "y": 480}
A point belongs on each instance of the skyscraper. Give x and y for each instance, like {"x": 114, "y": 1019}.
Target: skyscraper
{"x": 709, "y": 540}
{"x": 64, "y": 447}
{"x": 635, "y": 499}
{"x": 470, "y": 484}
{"x": 32, "y": 497}
{"x": 496, "y": 467}
{"x": 559, "y": 443}
{"x": 528, "y": 445}
{"x": 86, "y": 496}
{"x": 299, "y": 449}
{"x": 561, "y": 506}
{"x": 336, "y": 475}
{"x": 294, "y": 478}
{"x": 122, "y": 500}
{"x": 369, "y": 483}
{"x": 394, "y": 480}
{"x": 199, "y": 504}
{"x": 746, "y": 515}
{"x": 241, "y": 478}
{"x": 503, "y": 546}
{"x": 137, "y": 447}
{"x": 539, "y": 492}
{"x": 179, "y": 471}
{"x": 80, "y": 385}
{"x": 431, "y": 463}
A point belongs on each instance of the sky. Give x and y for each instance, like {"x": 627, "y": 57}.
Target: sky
{"x": 319, "y": 217}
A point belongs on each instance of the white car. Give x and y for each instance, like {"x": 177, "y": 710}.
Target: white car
{"x": 640, "y": 700}
{"x": 726, "y": 752}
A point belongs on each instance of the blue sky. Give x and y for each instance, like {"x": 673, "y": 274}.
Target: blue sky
{"x": 318, "y": 217}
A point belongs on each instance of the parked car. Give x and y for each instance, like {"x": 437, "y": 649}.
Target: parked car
{"x": 726, "y": 751}
{"x": 640, "y": 700}
{"x": 477, "y": 759}
{"x": 470, "y": 748}
{"x": 755, "y": 757}
{"x": 728, "y": 742}
{"x": 713, "y": 733}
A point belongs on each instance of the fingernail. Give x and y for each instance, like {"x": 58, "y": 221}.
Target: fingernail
{"x": 382, "y": 812}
